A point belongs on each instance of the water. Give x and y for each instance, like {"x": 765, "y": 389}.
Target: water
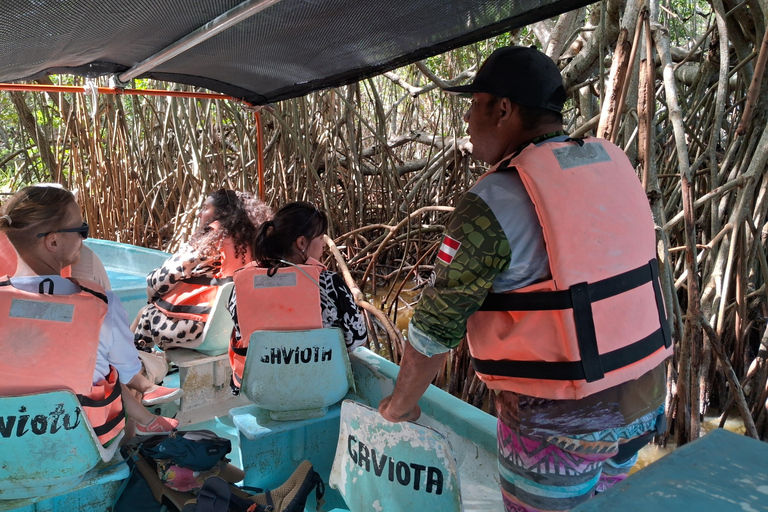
{"x": 652, "y": 452}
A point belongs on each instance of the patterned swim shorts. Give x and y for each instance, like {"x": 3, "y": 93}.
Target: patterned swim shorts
{"x": 557, "y": 473}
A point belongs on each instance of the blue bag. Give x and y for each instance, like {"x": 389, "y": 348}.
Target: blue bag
{"x": 198, "y": 450}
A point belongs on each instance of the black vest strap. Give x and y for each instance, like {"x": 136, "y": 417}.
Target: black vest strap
{"x": 572, "y": 370}
{"x": 101, "y": 296}
{"x": 100, "y": 430}
{"x": 176, "y": 308}
{"x": 90, "y": 402}
{"x": 562, "y": 299}
{"x": 207, "y": 281}
{"x": 41, "y": 286}
{"x": 240, "y": 351}
{"x": 580, "y": 297}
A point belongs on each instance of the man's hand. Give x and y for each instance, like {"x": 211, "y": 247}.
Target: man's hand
{"x": 395, "y": 416}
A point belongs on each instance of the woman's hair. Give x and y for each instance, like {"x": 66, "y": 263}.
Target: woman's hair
{"x": 239, "y": 214}
{"x": 33, "y": 210}
{"x": 275, "y": 238}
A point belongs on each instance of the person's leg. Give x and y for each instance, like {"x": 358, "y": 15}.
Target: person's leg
{"x": 146, "y": 422}
{"x": 538, "y": 475}
{"x": 153, "y": 394}
{"x": 631, "y": 439}
{"x": 614, "y": 472}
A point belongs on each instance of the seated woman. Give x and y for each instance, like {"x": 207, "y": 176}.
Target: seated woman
{"x": 221, "y": 245}
{"x": 46, "y": 229}
{"x": 295, "y": 236}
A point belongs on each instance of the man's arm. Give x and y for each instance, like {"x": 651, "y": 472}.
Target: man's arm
{"x": 416, "y": 373}
{"x": 462, "y": 279}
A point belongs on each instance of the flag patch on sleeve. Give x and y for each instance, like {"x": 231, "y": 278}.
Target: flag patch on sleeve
{"x": 448, "y": 250}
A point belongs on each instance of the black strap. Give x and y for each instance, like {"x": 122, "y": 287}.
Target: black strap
{"x": 41, "y": 286}
{"x": 562, "y": 299}
{"x": 579, "y": 298}
{"x": 7, "y": 282}
{"x": 660, "y": 304}
{"x": 108, "y": 426}
{"x": 100, "y": 430}
{"x": 630, "y": 448}
{"x": 572, "y": 370}
{"x": 90, "y": 402}
{"x": 178, "y": 308}
{"x": 207, "y": 281}
{"x": 585, "y": 332}
{"x": 99, "y": 295}
{"x": 240, "y": 351}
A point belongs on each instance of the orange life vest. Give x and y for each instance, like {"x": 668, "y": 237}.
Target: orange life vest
{"x": 193, "y": 298}
{"x": 38, "y": 334}
{"x": 287, "y": 299}
{"x": 600, "y": 320}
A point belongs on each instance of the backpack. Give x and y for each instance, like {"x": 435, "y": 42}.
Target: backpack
{"x": 198, "y": 450}
{"x": 217, "y": 495}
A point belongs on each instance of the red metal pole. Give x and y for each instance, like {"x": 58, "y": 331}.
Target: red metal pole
{"x": 110, "y": 90}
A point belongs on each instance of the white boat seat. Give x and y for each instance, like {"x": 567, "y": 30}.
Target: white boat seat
{"x": 204, "y": 371}
{"x": 297, "y": 375}
{"x": 48, "y": 445}
{"x": 218, "y": 328}
{"x": 205, "y": 381}
{"x": 393, "y": 466}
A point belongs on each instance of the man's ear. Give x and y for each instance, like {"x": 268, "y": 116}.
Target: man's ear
{"x": 51, "y": 242}
{"x": 505, "y": 110}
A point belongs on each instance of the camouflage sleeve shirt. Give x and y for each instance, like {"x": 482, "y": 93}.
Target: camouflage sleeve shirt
{"x": 493, "y": 240}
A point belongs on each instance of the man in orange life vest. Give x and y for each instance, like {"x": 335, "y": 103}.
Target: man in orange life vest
{"x": 66, "y": 329}
{"x": 548, "y": 266}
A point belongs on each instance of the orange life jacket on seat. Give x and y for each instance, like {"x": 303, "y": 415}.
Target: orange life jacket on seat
{"x": 600, "y": 320}
{"x": 50, "y": 342}
{"x": 287, "y": 299}
{"x": 193, "y": 298}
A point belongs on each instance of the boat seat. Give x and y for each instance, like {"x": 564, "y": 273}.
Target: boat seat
{"x": 393, "y": 466}
{"x": 204, "y": 371}
{"x": 218, "y": 328}
{"x": 205, "y": 381}
{"x": 296, "y": 393}
{"x": 271, "y": 450}
{"x": 49, "y": 448}
{"x": 296, "y": 375}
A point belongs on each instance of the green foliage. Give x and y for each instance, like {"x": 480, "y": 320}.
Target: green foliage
{"x": 687, "y": 20}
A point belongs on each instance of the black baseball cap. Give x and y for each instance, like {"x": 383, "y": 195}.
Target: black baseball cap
{"x": 524, "y": 75}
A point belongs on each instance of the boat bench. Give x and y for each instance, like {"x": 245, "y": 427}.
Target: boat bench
{"x": 271, "y": 450}
{"x": 98, "y": 490}
{"x": 205, "y": 381}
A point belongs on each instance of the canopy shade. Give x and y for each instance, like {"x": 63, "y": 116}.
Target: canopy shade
{"x": 280, "y": 49}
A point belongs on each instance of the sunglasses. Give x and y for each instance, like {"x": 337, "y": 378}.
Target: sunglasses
{"x": 83, "y": 230}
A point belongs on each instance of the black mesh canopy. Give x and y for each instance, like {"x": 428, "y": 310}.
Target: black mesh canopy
{"x": 288, "y": 49}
